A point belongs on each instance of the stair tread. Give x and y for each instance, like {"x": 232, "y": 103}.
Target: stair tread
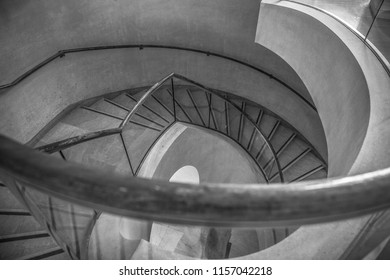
{"x": 104, "y": 106}
{"x": 9, "y": 201}
{"x": 95, "y": 154}
{"x": 280, "y": 137}
{"x": 234, "y": 121}
{"x": 146, "y": 117}
{"x": 294, "y": 149}
{"x": 78, "y": 122}
{"x": 185, "y": 106}
{"x": 159, "y": 109}
{"x": 304, "y": 165}
{"x": 201, "y": 100}
{"x": 219, "y": 112}
{"x": 15, "y": 212}
{"x": 18, "y": 224}
{"x": 18, "y": 249}
{"x": 138, "y": 140}
{"x": 315, "y": 175}
{"x": 124, "y": 100}
{"x": 137, "y": 93}
{"x": 23, "y": 235}
{"x": 267, "y": 123}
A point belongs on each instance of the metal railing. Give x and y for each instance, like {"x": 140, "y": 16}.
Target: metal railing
{"x": 62, "y": 53}
{"x": 233, "y": 205}
{"x": 69, "y": 142}
{"x": 210, "y": 204}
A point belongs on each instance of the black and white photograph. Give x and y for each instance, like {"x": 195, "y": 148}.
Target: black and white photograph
{"x": 243, "y": 131}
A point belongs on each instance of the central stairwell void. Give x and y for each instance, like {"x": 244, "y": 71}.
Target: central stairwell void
{"x": 149, "y": 132}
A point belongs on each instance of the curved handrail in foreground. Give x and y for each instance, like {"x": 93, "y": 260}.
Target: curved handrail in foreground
{"x": 205, "y": 204}
{"x": 62, "y": 53}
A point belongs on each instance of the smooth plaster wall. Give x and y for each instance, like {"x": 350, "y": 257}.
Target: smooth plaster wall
{"x": 27, "y": 107}
{"x": 361, "y": 113}
{"x": 31, "y": 31}
{"x": 330, "y": 72}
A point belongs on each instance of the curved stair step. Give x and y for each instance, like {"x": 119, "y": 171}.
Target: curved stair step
{"x": 9, "y": 201}
{"x": 124, "y": 101}
{"x": 78, "y": 122}
{"x": 19, "y": 248}
{"x": 12, "y": 224}
{"x": 23, "y": 236}
{"x": 109, "y": 107}
{"x": 193, "y": 106}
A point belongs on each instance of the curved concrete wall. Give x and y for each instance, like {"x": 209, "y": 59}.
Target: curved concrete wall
{"x": 350, "y": 89}
{"x": 330, "y": 72}
{"x": 27, "y": 107}
{"x": 30, "y": 31}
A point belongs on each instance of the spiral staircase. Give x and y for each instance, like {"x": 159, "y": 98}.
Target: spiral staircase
{"x": 280, "y": 152}
{"x": 86, "y": 172}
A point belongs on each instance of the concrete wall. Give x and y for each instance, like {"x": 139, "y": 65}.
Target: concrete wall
{"x": 330, "y": 72}
{"x": 350, "y": 89}
{"x": 30, "y": 105}
{"x": 33, "y": 30}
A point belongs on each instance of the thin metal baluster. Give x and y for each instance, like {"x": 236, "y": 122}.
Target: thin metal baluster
{"x": 292, "y": 162}
{"x": 309, "y": 173}
{"x": 127, "y": 154}
{"x": 284, "y": 146}
{"x": 195, "y": 106}
{"x": 101, "y": 112}
{"x": 259, "y": 117}
{"x": 178, "y": 104}
{"x": 212, "y": 112}
{"x": 240, "y": 127}
{"x": 273, "y": 131}
{"x": 208, "y": 101}
{"x": 227, "y": 118}
{"x": 74, "y": 227}
{"x": 163, "y": 105}
{"x": 173, "y": 98}
{"x": 273, "y": 160}
{"x": 373, "y": 21}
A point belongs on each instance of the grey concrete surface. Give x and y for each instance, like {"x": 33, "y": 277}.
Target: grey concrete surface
{"x": 35, "y": 29}
{"x": 350, "y": 89}
{"x": 333, "y": 76}
{"x": 77, "y": 77}
{"x": 217, "y": 158}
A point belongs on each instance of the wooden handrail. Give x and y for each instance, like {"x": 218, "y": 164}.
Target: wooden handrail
{"x": 204, "y": 204}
